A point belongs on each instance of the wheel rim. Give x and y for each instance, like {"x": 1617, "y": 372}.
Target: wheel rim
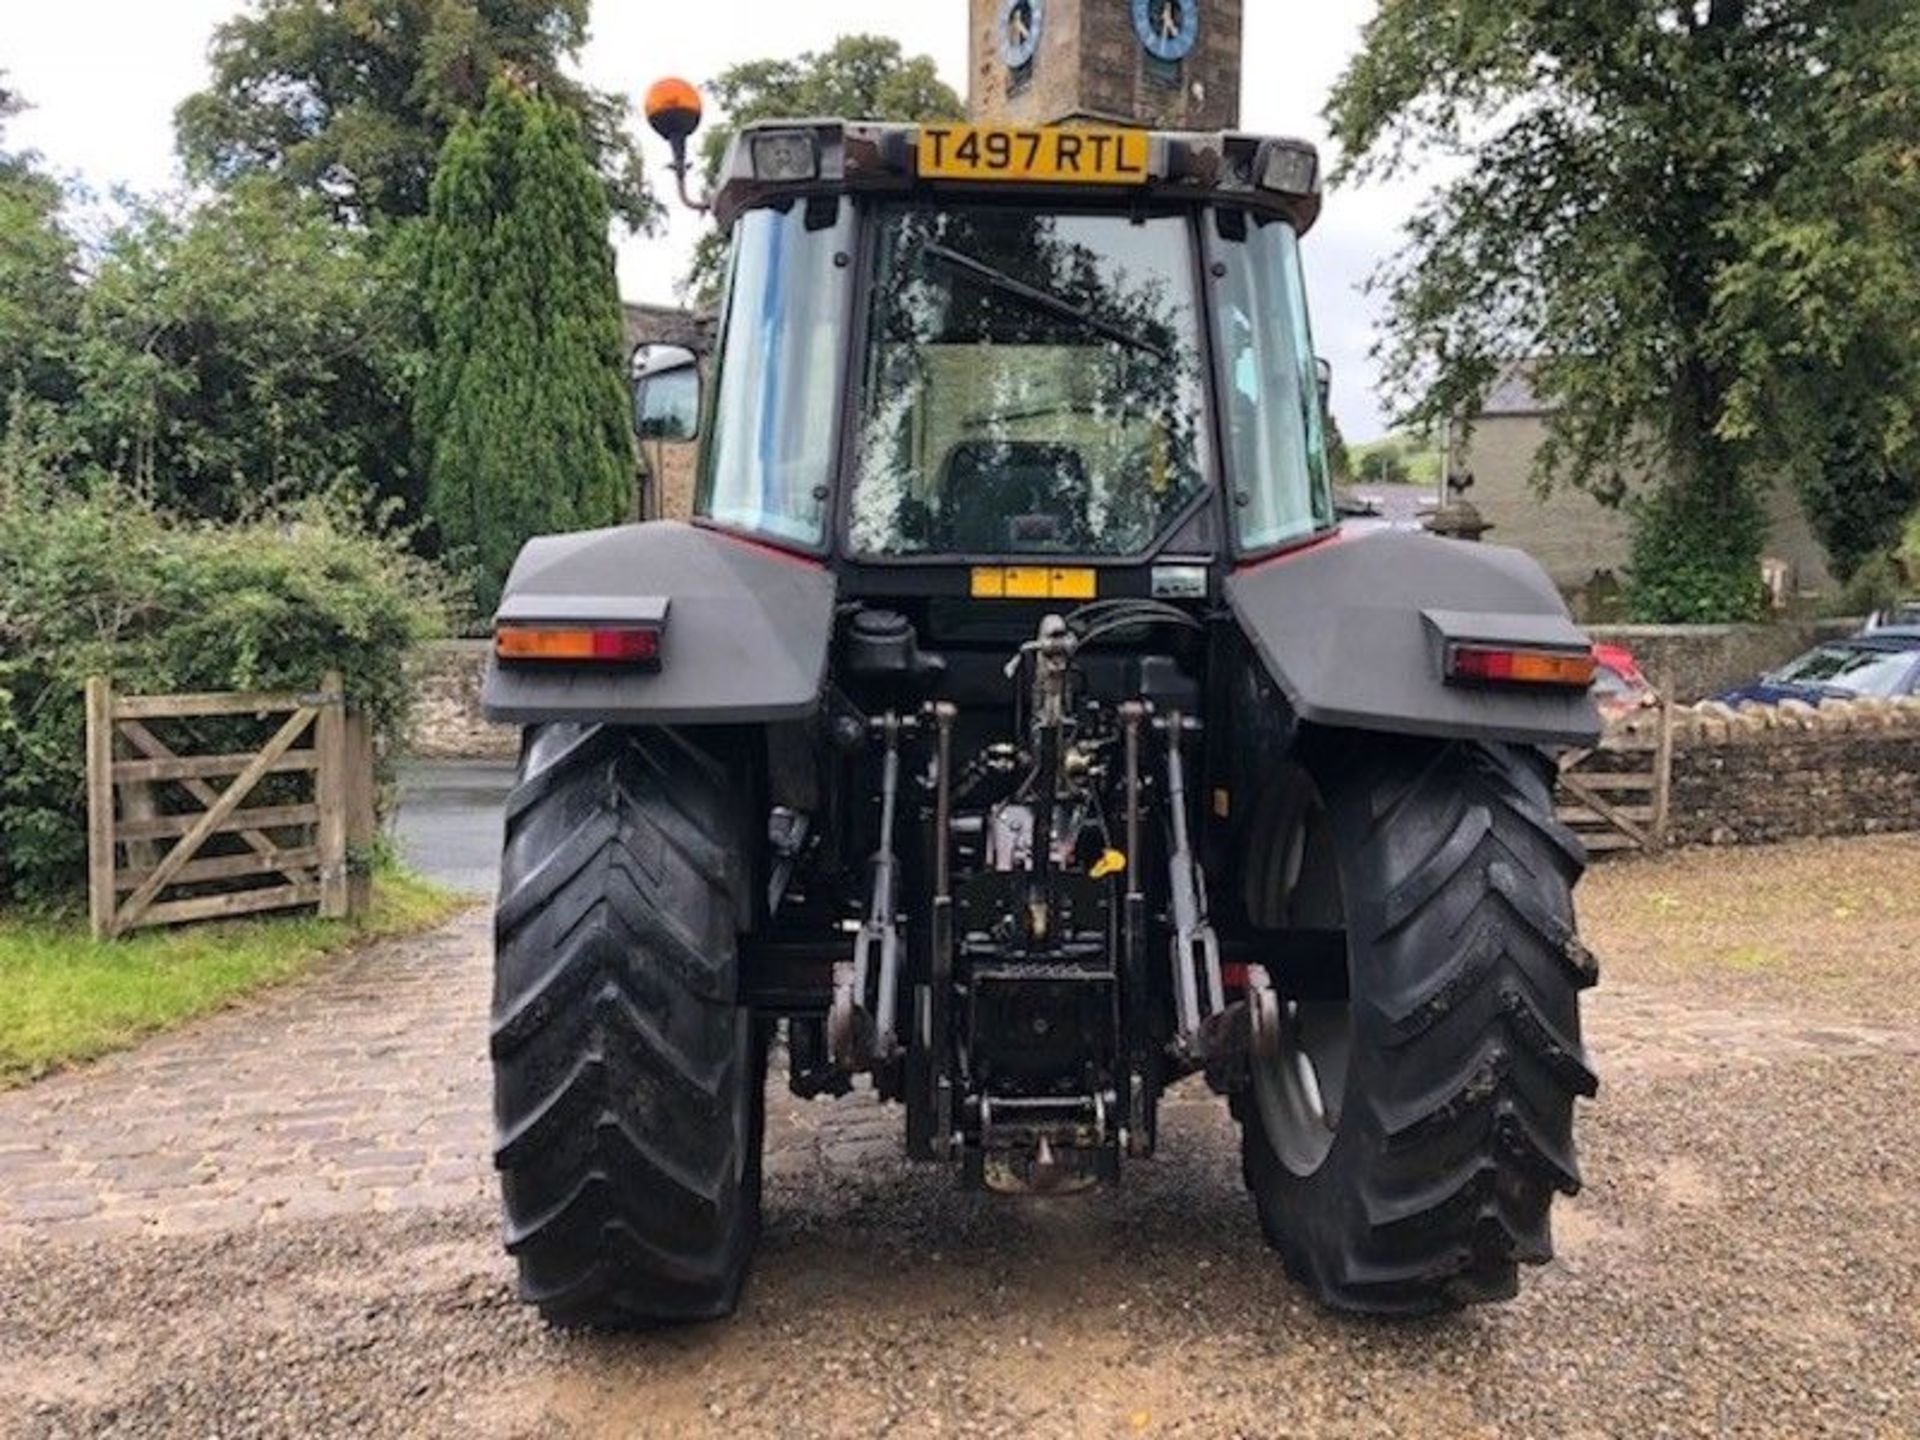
{"x": 1300, "y": 1089}
{"x": 1299, "y": 1092}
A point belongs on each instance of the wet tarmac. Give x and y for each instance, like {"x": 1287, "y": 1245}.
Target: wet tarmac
{"x": 447, "y": 820}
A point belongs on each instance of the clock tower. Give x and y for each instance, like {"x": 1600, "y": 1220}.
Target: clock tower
{"x": 1170, "y": 64}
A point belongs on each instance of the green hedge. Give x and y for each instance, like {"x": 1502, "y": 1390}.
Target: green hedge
{"x": 104, "y": 583}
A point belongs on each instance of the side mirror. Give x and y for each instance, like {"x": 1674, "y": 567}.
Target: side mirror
{"x": 666, "y": 393}
{"x": 1323, "y": 373}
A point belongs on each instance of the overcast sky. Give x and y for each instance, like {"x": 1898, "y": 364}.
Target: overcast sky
{"x": 104, "y": 75}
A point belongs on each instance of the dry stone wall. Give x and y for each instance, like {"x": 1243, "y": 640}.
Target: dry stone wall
{"x": 1760, "y": 773}
{"x": 447, "y": 723}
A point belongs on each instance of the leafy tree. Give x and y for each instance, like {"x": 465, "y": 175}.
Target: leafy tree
{"x": 1402, "y": 458}
{"x": 1630, "y": 172}
{"x": 38, "y": 290}
{"x": 1856, "y": 495}
{"x": 245, "y": 351}
{"x": 521, "y": 412}
{"x": 861, "y": 77}
{"x": 1384, "y": 462}
{"x": 1823, "y": 306}
{"x": 352, "y": 100}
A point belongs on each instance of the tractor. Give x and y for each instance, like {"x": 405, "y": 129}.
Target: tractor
{"x": 1015, "y": 731}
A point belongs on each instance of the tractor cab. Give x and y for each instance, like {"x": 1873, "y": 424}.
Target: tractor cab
{"x": 945, "y": 345}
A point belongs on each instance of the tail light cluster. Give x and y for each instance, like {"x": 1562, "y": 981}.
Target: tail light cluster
{"x": 1513, "y": 665}
{"x": 623, "y": 645}
{"x": 537, "y": 630}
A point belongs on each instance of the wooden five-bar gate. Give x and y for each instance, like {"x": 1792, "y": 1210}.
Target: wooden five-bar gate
{"x": 306, "y": 844}
{"x": 1617, "y": 795}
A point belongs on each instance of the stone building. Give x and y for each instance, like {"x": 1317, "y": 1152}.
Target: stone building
{"x": 1173, "y": 64}
{"x": 667, "y": 325}
{"x": 1582, "y": 543}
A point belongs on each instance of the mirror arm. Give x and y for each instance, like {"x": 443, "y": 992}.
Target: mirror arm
{"x": 679, "y": 166}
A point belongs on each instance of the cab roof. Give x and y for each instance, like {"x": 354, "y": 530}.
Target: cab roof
{"x": 774, "y": 160}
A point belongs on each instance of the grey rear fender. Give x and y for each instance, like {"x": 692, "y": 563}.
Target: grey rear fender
{"x": 1354, "y": 629}
{"x": 746, "y": 634}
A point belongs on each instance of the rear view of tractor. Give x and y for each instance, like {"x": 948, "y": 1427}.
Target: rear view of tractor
{"x": 1016, "y": 729}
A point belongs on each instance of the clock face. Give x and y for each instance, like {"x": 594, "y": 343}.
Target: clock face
{"x": 1020, "y": 22}
{"x": 1168, "y": 28}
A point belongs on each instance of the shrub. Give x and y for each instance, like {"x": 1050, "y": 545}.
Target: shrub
{"x": 1874, "y": 585}
{"x": 1695, "y": 558}
{"x": 102, "y": 582}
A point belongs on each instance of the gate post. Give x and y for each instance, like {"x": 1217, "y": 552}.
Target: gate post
{"x": 1663, "y": 762}
{"x": 101, "y": 898}
{"x": 330, "y": 790}
{"x": 362, "y": 825}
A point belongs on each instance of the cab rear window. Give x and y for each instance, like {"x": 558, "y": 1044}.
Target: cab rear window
{"x": 1034, "y": 384}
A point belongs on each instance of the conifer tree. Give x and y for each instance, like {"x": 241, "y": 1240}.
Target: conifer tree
{"x": 521, "y": 412}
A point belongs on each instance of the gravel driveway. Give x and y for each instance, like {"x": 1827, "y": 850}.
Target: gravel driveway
{"x": 279, "y": 1222}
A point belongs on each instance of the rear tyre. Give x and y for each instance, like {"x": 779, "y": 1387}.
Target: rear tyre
{"x": 1404, "y": 1147}
{"x": 627, "y": 1078}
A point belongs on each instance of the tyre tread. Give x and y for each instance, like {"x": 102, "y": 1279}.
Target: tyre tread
{"x": 1468, "y": 1051}
{"x": 627, "y": 1082}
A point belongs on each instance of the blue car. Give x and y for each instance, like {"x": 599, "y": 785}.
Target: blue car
{"x": 1879, "y": 663}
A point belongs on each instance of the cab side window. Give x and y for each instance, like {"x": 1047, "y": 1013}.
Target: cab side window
{"x": 1278, "y": 471}
{"x": 769, "y": 460}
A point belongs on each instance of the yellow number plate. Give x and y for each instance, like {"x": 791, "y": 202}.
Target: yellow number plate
{"x": 1033, "y": 582}
{"x": 1048, "y": 156}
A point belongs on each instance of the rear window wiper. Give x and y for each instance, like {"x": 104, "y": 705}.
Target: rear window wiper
{"x": 1044, "y": 300}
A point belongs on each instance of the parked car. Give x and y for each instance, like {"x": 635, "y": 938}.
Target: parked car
{"x": 1883, "y": 662}
{"x": 1901, "y": 615}
{"x": 1619, "y": 687}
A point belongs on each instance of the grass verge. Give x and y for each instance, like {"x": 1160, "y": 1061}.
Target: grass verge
{"x": 65, "y": 997}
